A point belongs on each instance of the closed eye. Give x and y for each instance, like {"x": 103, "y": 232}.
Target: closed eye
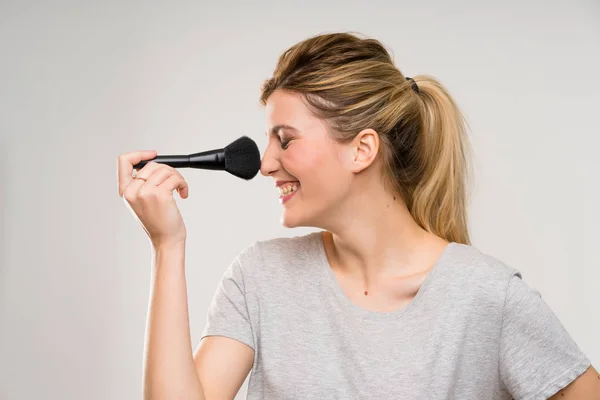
{"x": 284, "y": 144}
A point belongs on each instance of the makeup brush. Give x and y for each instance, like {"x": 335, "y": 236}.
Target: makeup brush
{"x": 240, "y": 158}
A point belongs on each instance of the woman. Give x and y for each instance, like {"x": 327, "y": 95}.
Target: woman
{"x": 389, "y": 300}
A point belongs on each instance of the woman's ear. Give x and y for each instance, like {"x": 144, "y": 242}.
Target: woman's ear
{"x": 365, "y": 147}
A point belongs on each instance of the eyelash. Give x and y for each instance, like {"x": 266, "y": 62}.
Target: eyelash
{"x": 285, "y": 143}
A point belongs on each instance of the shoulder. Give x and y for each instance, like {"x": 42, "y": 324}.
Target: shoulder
{"x": 269, "y": 255}
{"x": 474, "y": 274}
{"x": 470, "y": 263}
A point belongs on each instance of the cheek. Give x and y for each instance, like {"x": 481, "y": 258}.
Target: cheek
{"x": 321, "y": 173}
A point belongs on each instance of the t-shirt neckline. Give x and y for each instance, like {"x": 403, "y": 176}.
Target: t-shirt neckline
{"x": 363, "y": 313}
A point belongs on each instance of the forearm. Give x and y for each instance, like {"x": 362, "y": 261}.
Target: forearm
{"x": 169, "y": 371}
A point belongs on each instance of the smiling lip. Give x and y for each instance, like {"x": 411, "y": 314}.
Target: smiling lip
{"x": 279, "y": 183}
{"x": 284, "y": 198}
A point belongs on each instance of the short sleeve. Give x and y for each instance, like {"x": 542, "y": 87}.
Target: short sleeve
{"x": 228, "y": 311}
{"x": 537, "y": 356}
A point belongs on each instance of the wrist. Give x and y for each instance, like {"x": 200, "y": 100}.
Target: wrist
{"x": 168, "y": 247}
{"x": 168, "y": 255}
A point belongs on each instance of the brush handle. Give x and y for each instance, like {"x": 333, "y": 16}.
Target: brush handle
{"x": 211, "y": 159}
{"x": 173, "y": 161}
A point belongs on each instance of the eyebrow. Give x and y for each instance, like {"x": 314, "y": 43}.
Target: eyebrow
{"x": 275, "y": 130}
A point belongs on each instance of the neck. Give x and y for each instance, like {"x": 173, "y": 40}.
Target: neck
{"x": 380, "y": 240}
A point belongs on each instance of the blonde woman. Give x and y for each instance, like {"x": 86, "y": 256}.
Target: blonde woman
{"x": 388, "y": 300}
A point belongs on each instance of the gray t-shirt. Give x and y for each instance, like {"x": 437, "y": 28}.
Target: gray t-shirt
{"x": 474, "y": 330}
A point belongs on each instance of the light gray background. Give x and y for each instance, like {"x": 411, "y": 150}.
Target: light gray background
{"x": 85, "y": 81}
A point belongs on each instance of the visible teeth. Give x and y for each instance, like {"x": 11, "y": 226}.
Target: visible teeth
{"x": 287, "y": 189}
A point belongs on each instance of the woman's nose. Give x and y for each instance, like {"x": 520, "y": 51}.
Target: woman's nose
{"x": 269, "y": 162}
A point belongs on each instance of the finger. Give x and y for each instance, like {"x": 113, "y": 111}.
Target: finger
{"x": 130, "y": 193}
{"x": 125, "y": 163}
{"x": 174, "y": 182}
{"x": 159, "y": 174}
{"x": 134, "y": 188}
{"x": 149, "y": 169}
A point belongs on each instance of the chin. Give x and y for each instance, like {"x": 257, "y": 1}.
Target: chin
{"x": 299, "y": 213}
{"x": 293, "y": 219}
{"x": 289, "y": 221}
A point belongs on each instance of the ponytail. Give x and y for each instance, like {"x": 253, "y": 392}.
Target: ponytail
{"x": 440, "y": 199}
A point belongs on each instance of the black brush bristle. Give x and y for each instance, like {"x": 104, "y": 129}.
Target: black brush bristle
{"x": 242, "y": 158}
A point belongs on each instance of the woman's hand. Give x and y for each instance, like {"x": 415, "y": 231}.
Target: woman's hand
{"x": 151, "y": 198}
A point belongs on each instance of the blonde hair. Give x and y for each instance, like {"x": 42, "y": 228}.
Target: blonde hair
{"x": 352, "y": 84}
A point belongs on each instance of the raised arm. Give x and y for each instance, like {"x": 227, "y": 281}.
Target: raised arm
{"x": 171, "y": 370}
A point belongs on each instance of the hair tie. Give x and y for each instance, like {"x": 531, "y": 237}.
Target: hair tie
{"x": 414, "y": 85}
